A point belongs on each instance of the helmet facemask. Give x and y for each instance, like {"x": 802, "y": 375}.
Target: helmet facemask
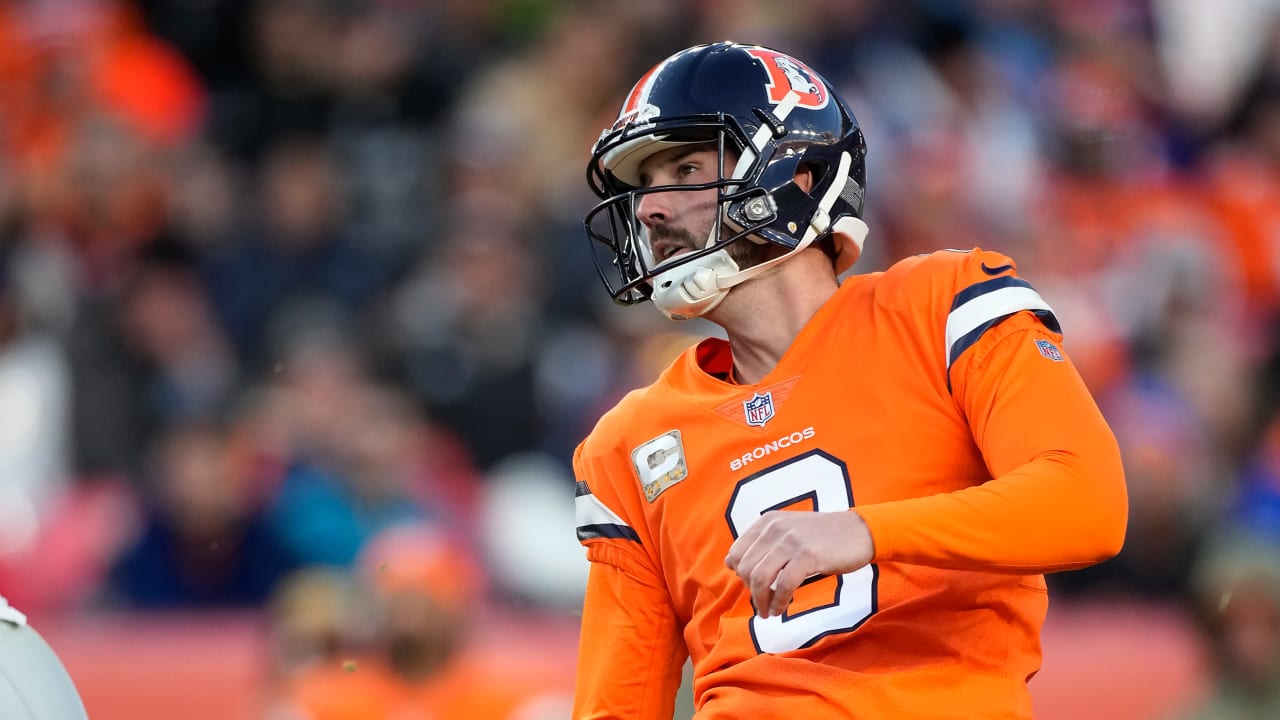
{"x": 623, "y": 251}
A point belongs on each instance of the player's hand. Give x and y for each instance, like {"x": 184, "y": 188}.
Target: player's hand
{"x": 783, "y": 548}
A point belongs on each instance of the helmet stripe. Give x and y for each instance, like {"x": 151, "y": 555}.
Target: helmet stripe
{"x": 640, "y": 93}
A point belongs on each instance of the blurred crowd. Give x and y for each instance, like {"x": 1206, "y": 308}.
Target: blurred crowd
{"x": 295, "y": 297}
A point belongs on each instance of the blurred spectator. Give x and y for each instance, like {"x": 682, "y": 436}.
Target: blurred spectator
{"x": 92, "y": 106}
{"x": 35, "y": 392}
{"x": 315, "y": 616}
{"x": 531, "y": 562}
{"x": 202, "y": 542}
{"x": 1237, "y": 599}
{"x": 207, "y": 190}
{"x": 575, "y": 67}
{"x": 296, "y": 259}
{"x": 1256, "y": 502}
{"x": 386, "y": 107}
{"x": 150, "y": 355}
{"x": 966, "y": 163}
{"x": 288, "y": 92}
{"x": 394, "y": 450}
{"x": 1243, "y": 179}
{"x": 358, "y": 458}
{"x": 420, "y": 661}
{"x": 468, "y": 326}
{"x": 57, "y": 537}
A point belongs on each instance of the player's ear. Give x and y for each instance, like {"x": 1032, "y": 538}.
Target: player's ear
{"x": 804, "y": 177}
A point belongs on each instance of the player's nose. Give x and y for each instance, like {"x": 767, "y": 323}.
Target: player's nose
{"x": 654, "y": 208}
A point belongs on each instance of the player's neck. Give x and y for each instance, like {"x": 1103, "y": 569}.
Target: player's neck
{"x": 763, "y": 316}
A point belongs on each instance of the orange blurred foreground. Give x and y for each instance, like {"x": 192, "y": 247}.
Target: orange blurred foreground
{"x": 1103, "y": 661}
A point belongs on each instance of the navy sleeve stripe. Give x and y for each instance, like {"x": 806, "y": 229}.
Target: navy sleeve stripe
{"x": 619, "y": 532}
{"x": 963, "y": 343}
{"x": 982, "y": 288}
{"x": 980, "y": 307}
{"x": 969, "y": 339}
{"x": 596, "y": 520}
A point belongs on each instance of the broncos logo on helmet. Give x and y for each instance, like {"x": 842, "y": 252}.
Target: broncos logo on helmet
{"x": 786, "y": 75}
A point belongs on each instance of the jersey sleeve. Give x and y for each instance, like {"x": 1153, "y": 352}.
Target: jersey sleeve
{"x": 1056, "y": 499}
{"x": 631, "y": 651}
{"x": 604, "y": 512}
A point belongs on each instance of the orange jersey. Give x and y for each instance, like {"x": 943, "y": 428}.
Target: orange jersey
{"x": 934, "y": 400}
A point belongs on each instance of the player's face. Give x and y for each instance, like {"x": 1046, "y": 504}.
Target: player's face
{"x": 680, "y": 221}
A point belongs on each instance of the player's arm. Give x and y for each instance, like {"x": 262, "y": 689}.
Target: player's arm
{"x": 1057, "y": 500}
{"x": 630, "y": 651}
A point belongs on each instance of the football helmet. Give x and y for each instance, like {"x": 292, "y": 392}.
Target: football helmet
{"x": 774, "y": 114}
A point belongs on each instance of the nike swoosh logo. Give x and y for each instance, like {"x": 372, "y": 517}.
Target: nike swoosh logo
{"x": 995, "y": 270}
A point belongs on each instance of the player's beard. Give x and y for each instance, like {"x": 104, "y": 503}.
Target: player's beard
{"x": 747, "y": 253}
{"x": 743, "y": 251}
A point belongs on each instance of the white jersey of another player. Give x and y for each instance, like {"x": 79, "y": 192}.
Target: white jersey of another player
{"x": 33, "y": 683}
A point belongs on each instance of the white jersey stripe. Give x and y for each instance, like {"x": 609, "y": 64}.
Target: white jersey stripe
{"x": 591, "y": 511}
{"x": 987, "y": 307}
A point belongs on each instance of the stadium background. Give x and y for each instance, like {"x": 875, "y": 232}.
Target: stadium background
{"x": 298, "y": 328}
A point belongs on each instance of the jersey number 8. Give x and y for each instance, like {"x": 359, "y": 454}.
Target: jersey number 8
{"x": 818, "y": 482}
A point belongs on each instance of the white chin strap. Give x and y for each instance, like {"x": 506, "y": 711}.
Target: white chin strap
{"x": 698, "y": 286}
{"x": 693, "y": 289}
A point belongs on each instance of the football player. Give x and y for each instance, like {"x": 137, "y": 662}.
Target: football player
{"x": 847, "y": 507}
{"x": 33, "y": 683}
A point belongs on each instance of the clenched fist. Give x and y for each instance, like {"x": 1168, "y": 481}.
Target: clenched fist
{"x": 783, "y": 548}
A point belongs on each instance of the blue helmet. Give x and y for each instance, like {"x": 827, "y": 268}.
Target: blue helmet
{"x": 775, "y": 114}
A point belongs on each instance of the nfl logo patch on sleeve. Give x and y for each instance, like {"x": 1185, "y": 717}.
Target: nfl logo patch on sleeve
{"x": 1049, "y": 350}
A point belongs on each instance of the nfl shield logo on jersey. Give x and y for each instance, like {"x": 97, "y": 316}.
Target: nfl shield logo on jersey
{"x": 1049, "y": 350}
{"x": 759, "y": 409}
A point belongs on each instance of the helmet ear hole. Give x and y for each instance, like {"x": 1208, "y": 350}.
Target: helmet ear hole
{"x": 809, "y": 175}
